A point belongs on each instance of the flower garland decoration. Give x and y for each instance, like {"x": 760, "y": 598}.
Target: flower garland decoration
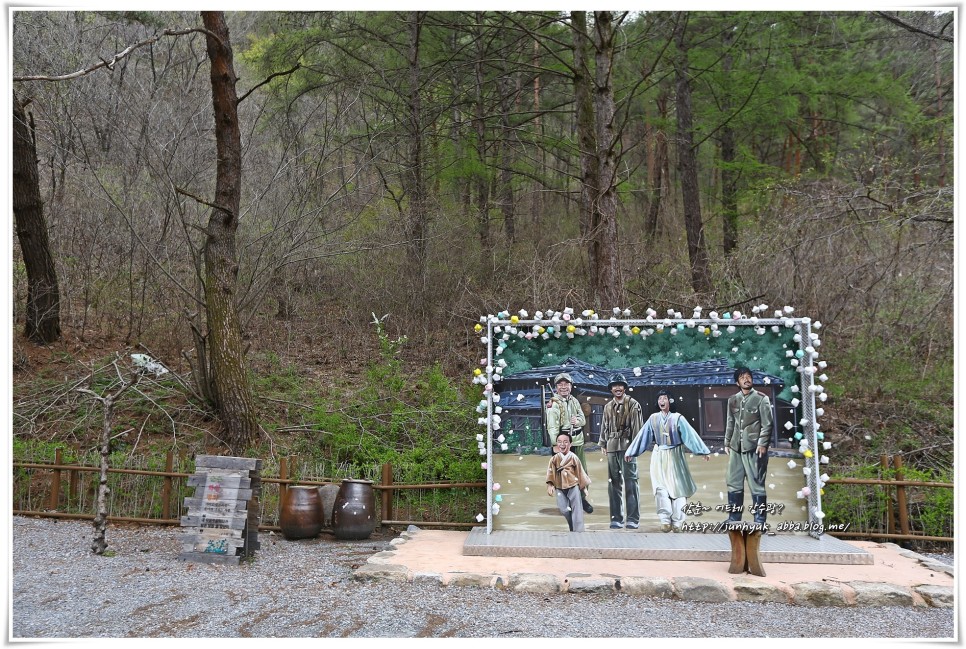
{"x": 496, "y": 332}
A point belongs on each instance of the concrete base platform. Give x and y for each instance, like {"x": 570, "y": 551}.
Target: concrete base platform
{"x": 627, "y": 544}
{"x": 893, "y": 577}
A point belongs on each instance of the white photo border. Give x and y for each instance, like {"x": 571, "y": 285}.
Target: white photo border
{"x": 810, "y": 445}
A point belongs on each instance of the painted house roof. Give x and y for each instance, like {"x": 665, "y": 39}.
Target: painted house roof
{"x": 593, "y": 379}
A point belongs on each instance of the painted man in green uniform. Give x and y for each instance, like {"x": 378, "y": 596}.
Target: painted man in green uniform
{"x": 622, "y": 419}
{"x": 747, "y": 435}
{"x": 564, "y": 415}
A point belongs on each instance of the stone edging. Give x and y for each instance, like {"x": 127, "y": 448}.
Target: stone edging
{"x": 697, "y": 589}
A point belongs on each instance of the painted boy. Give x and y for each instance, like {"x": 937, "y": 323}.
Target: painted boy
{"x": 566, "y": 478}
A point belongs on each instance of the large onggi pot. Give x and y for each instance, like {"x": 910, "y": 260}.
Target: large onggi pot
{"x": 301, "y": 516}
{"x": 354, "y": 511}
{"x": 328, "y": 494}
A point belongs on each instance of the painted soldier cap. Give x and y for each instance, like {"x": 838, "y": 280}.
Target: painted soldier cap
{"x": 617, "y": 379}
{"x": 563, "y": 376}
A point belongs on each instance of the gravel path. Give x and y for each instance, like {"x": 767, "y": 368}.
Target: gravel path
{"x": 306, "y": 589}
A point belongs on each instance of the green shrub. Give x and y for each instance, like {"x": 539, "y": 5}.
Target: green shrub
{"x": 421, "y": 423}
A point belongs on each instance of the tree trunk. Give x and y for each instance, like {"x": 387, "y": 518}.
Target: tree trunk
{"x": 657, "y": 170}
{"x": 589, "y": 216}
{"x": 608, "y": 287}
{"x": 43, "y": 293}
{"x": 536, "y": 203}
{"x": 99, "y": 544}
{"x": 107, "y": 402}
{"x": 505, "y": 192}
{"x": 414, "y": 184}
{"x": 729, "y": 191}
{"x": 688, "y": 166}
{"x": 940, "y": 131}
{"x": 226, "y": 358}
{"x": 480, "y": 176}
{"x": 729, "y": 177}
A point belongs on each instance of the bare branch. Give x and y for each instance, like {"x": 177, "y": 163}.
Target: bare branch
{"x": 117, "y": 57}
{"x": 203, "y": 201}
{"x": 269, "y": 78}
{"x": 895, "y": 20}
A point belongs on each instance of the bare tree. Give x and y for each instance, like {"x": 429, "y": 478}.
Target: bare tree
{"x": 597, "y": 140}
{"x": 688, "y": 164}
{"x": 226, "y": 358}
{"x": 413, "y": 180}
{"x": 608, "y": 285}
{"x": 107, "y": 401}
{"x": 588, "y": 163}
{"x": 43, "y": 293}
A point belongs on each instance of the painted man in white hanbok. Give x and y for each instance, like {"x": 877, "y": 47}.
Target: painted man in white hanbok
{"x": 668, "y": 433}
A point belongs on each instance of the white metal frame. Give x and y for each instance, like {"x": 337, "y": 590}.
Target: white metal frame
{"x": 807, "y": 386}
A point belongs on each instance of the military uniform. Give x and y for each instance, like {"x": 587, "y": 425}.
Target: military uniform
{"x": 558, "y": 421}
{"x": 559, "y": 414}
{"x": 748, "y": 426}
{"x": 622, "y": 419}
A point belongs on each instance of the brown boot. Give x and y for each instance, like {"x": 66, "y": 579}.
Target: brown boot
{"x": 739, "y": 558}
{"x": 752, "y": 546}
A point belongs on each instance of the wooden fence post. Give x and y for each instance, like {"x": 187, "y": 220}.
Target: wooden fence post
{"x": 72, "y": 485}
{"x": 166, "y": 489}
{"x": 55, "y": 482}
{"x": 387, "y": 492}
{"x": 891, "y": 519}
{"x": 901, "y": 502}
{"x": 282, "y": 487}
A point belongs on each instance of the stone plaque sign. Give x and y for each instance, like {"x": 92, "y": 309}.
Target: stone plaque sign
{"x": 221, "y": 525}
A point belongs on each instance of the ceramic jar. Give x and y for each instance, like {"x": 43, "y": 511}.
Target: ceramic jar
{"x": 301, "y": 515}
{"x": 354, "y": 510}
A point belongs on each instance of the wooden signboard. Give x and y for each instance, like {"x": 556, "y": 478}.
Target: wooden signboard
{"x": 222, "y": 521}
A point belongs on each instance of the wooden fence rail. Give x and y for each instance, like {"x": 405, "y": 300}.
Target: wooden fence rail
{"x": 897, "y": 524}
{"x": 286, "y": 465}
{"x": 902, "y": 503}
